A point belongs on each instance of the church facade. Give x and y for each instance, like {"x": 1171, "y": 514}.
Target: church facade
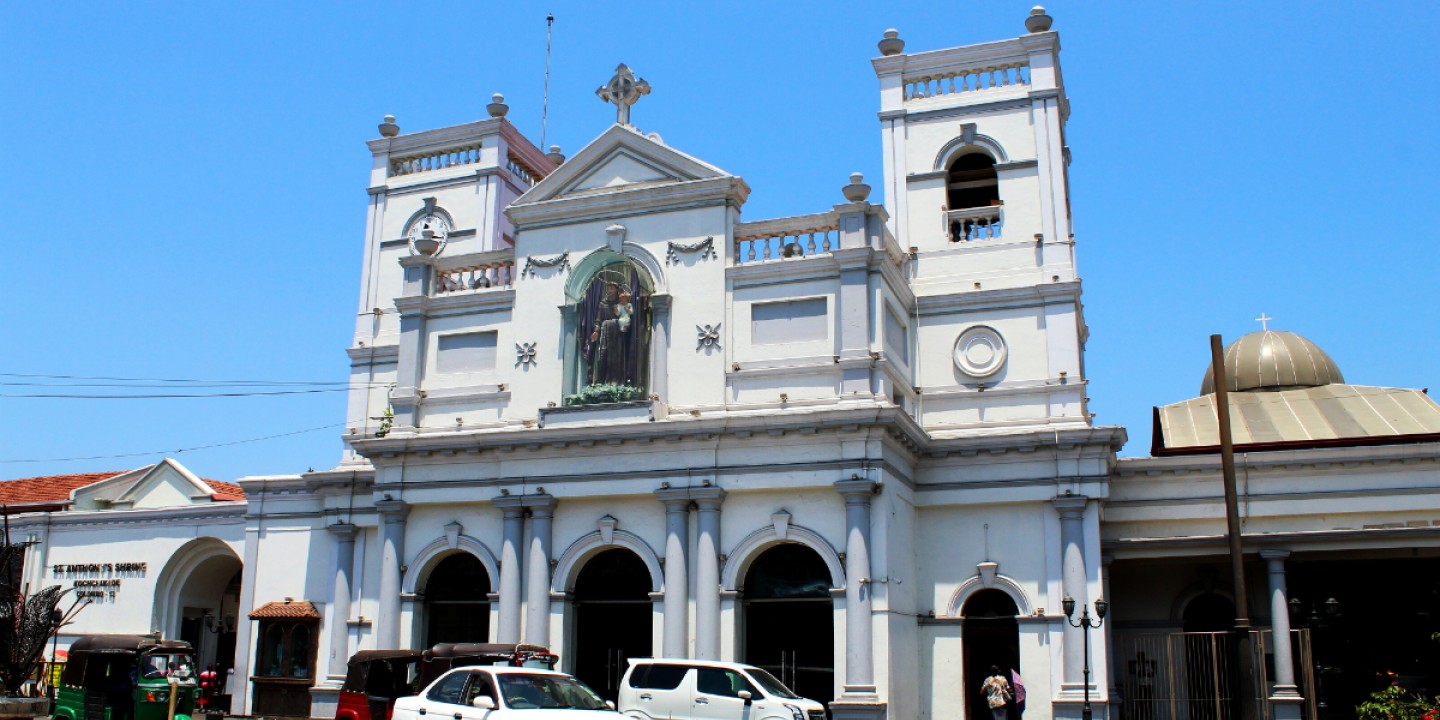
{"x": 601, "y": 410}
{"x": 598, "y": 408}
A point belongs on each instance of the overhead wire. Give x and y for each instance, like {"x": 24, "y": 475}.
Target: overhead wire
{"x": 175, "y": 451}
{"x": 168, "y": 380}
{"x": 183, "y": 387}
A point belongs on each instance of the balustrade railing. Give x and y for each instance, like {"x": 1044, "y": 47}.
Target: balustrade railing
{"x": 482, "y": 271}
{"x": 434, "y": 160}
{"x": 786, "y": 238}
{"x": 967, "y": 224}
{"x": 520, "y": 172}
{"x": 969, "y": 80}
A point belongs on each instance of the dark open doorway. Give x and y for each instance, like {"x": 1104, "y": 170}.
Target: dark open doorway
{"x": 990, "y": 637}
{"x": 612, "y": 618}
{"x": 457, "y": 601}
{"x": 790, "y": 619}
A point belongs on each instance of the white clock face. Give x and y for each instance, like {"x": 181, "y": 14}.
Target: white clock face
{"x": 434, "y": 223}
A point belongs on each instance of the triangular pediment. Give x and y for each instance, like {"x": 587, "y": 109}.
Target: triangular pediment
{"x": 620, "y": 159}
{"x": 621, "y": 168}
{"x": 164, "y": 484}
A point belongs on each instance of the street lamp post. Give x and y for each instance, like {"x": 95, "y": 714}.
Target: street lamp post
{"x": 1084, "y": 622}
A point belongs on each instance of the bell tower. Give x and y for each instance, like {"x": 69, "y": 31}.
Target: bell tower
{"x": 976, "y": 180}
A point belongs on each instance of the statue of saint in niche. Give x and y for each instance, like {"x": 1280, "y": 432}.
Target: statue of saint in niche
{"x": 614, "y": 327}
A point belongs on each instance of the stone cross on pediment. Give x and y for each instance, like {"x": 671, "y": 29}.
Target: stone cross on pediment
{"x": 622, "y": 91}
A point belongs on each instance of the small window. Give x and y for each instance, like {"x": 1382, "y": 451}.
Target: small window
{"x": 718, "y": 681}
{"x": 468, "y": 352}
{"x": 286, "y": 649}
{"x": 449, "y": 688}
{"x": 658, "y": 677}
{"x": 774, "y": 323}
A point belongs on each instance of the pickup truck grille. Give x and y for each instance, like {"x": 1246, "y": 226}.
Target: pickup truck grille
{"x": 816, "y": 714}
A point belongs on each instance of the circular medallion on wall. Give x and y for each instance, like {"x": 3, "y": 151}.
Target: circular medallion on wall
{"x": 980, "y": 351}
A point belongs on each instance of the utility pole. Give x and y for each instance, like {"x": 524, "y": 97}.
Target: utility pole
{"x": 1244, "y": 656}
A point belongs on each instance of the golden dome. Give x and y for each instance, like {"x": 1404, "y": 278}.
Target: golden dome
{"x": 1274, "y": 360}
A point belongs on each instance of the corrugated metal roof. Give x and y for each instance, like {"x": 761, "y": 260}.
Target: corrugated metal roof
{"x": 1326, "y": 415}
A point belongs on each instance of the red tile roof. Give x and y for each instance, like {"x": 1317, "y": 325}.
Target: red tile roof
{"x": 225, "y": 490}
{"x": 50, "y": 488}
{"x": 288, "y": 610}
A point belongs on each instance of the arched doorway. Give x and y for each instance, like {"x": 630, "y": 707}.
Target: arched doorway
{"x": 789, "y": 619}
{"x": 612, "y": 618}
{"x": 457, "y": 601}
{"x": 1208, "y": 652}
{"x": 990, "y": 637}
{"x": 197, "y": 599}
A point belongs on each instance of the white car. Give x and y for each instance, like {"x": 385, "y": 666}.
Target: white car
{"x": 504, "y": 693}
{"x": 660, "y": 689}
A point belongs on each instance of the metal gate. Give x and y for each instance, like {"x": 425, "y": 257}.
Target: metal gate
{"x": 1195, "y": 676}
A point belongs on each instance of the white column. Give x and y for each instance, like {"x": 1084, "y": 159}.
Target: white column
{"x": 1072, "y": 548}
{"x": 859, "y": 656}
{"x": 677, "y": 580}
{"x": 392, "y": 554}
{"x": 707, "y": 575}
{"x": 509, "y": 620}
{"x": 340, "y": 599}
{"x": 1286, "y": 698}
{"x": 1112, "y": 654}
{"x": 537, "y": 571}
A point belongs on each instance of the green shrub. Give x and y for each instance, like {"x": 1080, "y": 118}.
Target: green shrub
{"x": 610, "y": 393}
{"x": 1395, "y": 703}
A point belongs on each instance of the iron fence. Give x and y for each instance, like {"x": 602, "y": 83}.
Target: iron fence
{"x": 1197, "y": 675}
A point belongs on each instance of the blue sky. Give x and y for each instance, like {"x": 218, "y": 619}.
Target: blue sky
{"x": 184, "y": 185}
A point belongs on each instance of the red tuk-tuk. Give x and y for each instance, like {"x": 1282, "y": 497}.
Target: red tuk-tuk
{"x": 373, "y": 681}
{"x": 377, "y": 677}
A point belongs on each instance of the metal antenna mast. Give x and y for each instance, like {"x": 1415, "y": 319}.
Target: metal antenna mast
{"x": 545, "y": 106}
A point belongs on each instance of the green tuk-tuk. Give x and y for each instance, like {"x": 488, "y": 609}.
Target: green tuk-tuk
{"x": 127, "y": 677}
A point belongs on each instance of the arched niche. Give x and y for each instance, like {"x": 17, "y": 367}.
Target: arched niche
{"x": 567, "y": 568}
{"x": 438, "y": 550}
{"x": 961, "y": 146}
{"x": 631, "y": 252}
{"x": 981, "y": 581}
{"x": 774, "y": 534}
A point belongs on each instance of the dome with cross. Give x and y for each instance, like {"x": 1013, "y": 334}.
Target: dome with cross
{"x": 1274, "y": 360}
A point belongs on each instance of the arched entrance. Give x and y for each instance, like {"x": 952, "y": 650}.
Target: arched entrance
{"x": 612, "y": 618}
{"x": 789, "y": 619}
{"x": 1208, "y": 652}
{"x": 197, "y": 599}
{"x": 457, "y": 601}
{"x": 990, "y": 637}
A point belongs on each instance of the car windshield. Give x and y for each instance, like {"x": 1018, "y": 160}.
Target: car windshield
{"x": 160, "y": 666}
{"x": 771, "y": 685}
{"x": 523, "y": 691}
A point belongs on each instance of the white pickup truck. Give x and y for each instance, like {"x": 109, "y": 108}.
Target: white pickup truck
{"x": 504, "y": 693}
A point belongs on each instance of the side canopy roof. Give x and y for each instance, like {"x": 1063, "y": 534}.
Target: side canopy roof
{"x": 625, "y": 170}
{"x": 1287, "y": 393}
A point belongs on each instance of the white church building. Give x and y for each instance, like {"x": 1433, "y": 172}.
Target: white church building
{"x": 822, "y": 440}
{"x": 599, "y": 408}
